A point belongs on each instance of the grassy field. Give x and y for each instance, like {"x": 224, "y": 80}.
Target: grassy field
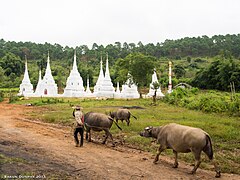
{"x": 224, "y": 130}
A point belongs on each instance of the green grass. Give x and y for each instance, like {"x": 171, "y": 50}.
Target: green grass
{"x": 223, "y": 129}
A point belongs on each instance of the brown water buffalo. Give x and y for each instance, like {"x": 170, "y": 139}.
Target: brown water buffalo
{"x": 122, "y": 114}
{"x": 98, "y": 122}
{"x": 183, "y": 139}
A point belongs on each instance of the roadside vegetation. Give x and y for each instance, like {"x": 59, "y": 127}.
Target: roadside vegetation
{"x": 223, "y": 129}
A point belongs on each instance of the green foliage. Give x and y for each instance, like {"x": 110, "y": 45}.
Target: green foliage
{"x": 190, "y": 55}
{"x": 179, "y": 71}
{"x": 1, "y": 96}
{"x": 139, "y": 63}
{"x": 210, "y": 102}
{"x": 14, "y": 98}
{"x": 219, "y": 75}
{"x": 12, "y": 64}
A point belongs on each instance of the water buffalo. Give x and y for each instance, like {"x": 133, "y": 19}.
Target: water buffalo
{"x": 122, "y": 114}
{"x": 98, "y": 122}
{"x": 183, "y": 139}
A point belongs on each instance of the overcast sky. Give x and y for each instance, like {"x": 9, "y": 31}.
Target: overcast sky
{"x": 78, "y": 22}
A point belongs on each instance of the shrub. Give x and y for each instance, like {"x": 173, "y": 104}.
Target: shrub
{"x": 14, "y": 98}
{"x": 1, "y": 96}
{"x": 209, "y": 102}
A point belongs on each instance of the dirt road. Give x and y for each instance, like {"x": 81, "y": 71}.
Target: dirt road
{"x": 32, "y": 149}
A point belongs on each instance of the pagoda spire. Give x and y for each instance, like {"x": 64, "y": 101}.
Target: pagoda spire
{"x": 75, "y": 61}
{"x": 101, "y": 74}
{"x": 26, "y": 78}
{"x": 48, "y": 69}
{"x": 40, "y": 75}
{"x": 26, "y": 88}
{"x": 101, "y": 66}
{"x": 88, "y": 89}
{"x": 107, "y": 75}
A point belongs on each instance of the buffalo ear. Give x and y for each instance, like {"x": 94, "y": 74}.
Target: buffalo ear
{"x": 146, "y": 128}
{"x": 149, "y": 128}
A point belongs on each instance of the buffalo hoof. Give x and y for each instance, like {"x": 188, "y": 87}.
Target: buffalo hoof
{"x": 175, "y": 166}
{"x": 155, "y": 161}
{"x": 218, "y": 175}
{"x": 193, "y": 172}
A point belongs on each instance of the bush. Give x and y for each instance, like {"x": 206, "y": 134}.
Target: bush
{"x": 1, "y": 96}
{"x": 210, "y": 102}
{"x": 14, "y": 98}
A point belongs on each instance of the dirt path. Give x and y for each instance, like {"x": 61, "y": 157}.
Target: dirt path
{"x": 35, "y": 149}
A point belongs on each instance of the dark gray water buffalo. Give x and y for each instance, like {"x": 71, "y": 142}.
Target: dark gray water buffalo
{"x": 122, "y": 114}
{"x": 98, "y": 122}
{"x": 183, "y": 139}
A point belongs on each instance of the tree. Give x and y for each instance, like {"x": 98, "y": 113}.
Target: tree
{"x": 219, "y": 75}
{"x": 179, "y": 71}
{"x": 12, "y": 64}
{"x": 140, "y": 67}
{"x": 155, "y": 87}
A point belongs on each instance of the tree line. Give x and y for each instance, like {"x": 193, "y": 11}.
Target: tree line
{"x": 203, "y": 46}
{"x": 224, "y": 51}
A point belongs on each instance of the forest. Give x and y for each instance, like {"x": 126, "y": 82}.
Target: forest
{"x": 203, "y": 62}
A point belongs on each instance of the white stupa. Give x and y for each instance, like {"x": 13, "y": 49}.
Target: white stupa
{"x": 38, "y": 88}
{"x": 129, "y": 89}
{"x": 47, "y": 86}
{"x": 106, "y": 88}
{"x": 99, "y": 80}
{"x": 26, "y": 88}
{"x": 74, "y": 86}
{"x": 88, "y": 91}
{"x": 118, "y": 92}
{"x": 151, "y": 88}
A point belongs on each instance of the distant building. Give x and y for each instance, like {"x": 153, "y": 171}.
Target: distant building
{"x": 104, "y": 86}
{"x": 151, "y": 88}
{"x": 74, "y": 85}
{"x": 129, "y": 89}
{"x": 46, "y": 86}
{"x": 26, "y": 88}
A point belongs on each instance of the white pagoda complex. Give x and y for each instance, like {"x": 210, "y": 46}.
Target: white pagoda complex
{"x": 129, "y": 89}
{"x": 46, "y": 86}
{"x": 74, "y": 86}
{"x": 151, "y": 88}
{"x": 26, "y": 88}
{"x": 104, "y": 86}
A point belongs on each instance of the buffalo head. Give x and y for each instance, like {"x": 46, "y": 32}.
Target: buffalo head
{"x": 147, "y": 132}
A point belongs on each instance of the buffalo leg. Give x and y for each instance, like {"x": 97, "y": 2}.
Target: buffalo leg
{"x": 197, "y": 155}
{"x": 128, "y": 122}
{"x": 215, "y": 164}
{"x": 90, "y": 136}
{"x": 86, "y": 135}
{"x": 217, "y": 168}
{"x": 160, "y": 149}
{"x": 106, "y": 134}
{"x": 175, "y": 165}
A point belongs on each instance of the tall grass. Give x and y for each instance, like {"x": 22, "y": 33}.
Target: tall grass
{"x": 207, "y": 101}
